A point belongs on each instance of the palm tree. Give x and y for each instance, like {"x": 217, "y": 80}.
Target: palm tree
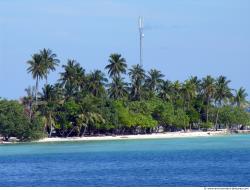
{"x": 189, "y": 92}
{"x": 222, "y": 94}
{"x": 137, "y": 75}
{"x": 117, "y": 65}
{"x": 194, "y": 80}
{"x": 73, "y": 78}
{"x": 208, "y": 90}
{"x": 27, "y": 101}
{"x": 165, "y": 90}
{"x": 153, "y": 80}
{"x": 88, "y": 115}
{"x": 118, "y": 88}
{"x": 240, "y": 97}
{"x": 176, "y": 90}
{"x": 86, "y": 118}
{"x": 47, "y": 107}
{"x": 37, "y": 68}
{"x": 49, "y": 60}
{"x": 96, "y": 83}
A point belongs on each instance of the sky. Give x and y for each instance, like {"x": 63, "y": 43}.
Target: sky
{"x": 182, "y": 37}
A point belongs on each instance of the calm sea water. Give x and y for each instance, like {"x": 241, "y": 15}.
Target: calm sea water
{"x": 206, "y": 161}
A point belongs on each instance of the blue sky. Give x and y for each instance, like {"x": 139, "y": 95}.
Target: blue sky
{"x": 182, "y": 37}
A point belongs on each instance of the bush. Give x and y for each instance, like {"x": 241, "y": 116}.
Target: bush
{"x": 15, "y": 123}
{"x": 206, "y": 125}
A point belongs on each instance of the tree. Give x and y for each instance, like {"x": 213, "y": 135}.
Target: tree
{"x": 189, "y": 92}
{"x": 88, "y": 115}
{"x": 118, "y": 88}
{"x": 15, "y": 123}
{"x": 154, "y": 80}
{"x": 117, "y": 65}
{"x": 181, "y": 120}
{"x": 164, "y": 114}
{"x": 195, "y": 81}
{"x": 240, "y": 97}
{"x": 234, "y": 116}
{"x": 96, "y": 83}
{"x": 73, "y": 78}
{"x": 208, "y": 91}
{"x": 28, "y": 100}
{"x": 37, "y": 69}
{"x": 222, "y": 94}
{"x": 165, "y": 90}
{"x": 47, "y": 107}
{"x": 176, "y": 94}
{"x": 137, "y": 75}
{"x": 49, "y": 60}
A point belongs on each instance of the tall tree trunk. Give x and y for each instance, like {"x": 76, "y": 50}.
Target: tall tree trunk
{"x": 50, "y": 133}
{"x": 207, "y": 114}
{"x": 85, "y": 127}
{"x": 36, "y": 89}
{"x": 216, "y": 120}
{"x": 30, "y": 107}
{"x": 46, "y": 79}
{"x": 70, "y": 132}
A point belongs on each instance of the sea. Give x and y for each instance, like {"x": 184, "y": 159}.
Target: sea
{"x": 196, "y": 161}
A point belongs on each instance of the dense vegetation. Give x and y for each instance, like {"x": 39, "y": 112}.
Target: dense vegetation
{"x": 82, "y": 103}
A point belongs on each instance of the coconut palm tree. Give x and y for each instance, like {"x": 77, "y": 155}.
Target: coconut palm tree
{"x": 73, "y": 78}
{"x": 189, "y": 92}
{"x": 118, "y": 88}
{"x": 222, "y": 94}
{"x": 176, "y": 91}
{"x": 49, "y": 60}
{"x": 96, "y": 83}
{"x": 240, "y": 97}
{"x": 165, "y": 90}
{"x": 194, "y": 80}
{"x": 117, "y": 65}
{"x": 208, "y": 91}
{"x": 28, "y": 100}
{"x": 137, "y": 75}
{"x": 153, "y": 80}
{"x": 37, "y": 69}
{"x": 47, "y": 107}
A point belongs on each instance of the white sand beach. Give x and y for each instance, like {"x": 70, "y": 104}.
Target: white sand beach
{"x": 142, "y": 136}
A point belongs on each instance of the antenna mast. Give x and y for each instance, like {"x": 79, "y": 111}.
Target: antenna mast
{"x": 141, "y": 36}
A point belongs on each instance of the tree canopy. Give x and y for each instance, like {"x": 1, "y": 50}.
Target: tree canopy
{"x": 129, "y": 101}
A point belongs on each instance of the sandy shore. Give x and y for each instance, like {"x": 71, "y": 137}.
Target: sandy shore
{"x": 147, "y": 136}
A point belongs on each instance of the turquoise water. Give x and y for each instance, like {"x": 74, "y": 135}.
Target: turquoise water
{"x": 201, "y": 161}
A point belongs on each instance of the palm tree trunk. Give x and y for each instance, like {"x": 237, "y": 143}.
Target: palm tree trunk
{"x": 50, "y": 133}
{"x": 36, "y": 89}
{"x": 216, "y": 120}
{"x": 207, "y": 113}
{"x": 30, "y": 107}
{"x": 70, "y": 131}
{"x": 84, "y": 130}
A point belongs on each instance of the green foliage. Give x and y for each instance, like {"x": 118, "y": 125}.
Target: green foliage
{"x": 144, "y": 121}
{"x": 125, "y": 118}
{"x": 234, "y": 116}
{"x": 15, "y": 123}
{"x": 88, "y": 103}
{"x": 193, "y": 115}
{"x": 181, "y": 120}
{"x": 164, "y": 114}
{"x": 206, "y": 125}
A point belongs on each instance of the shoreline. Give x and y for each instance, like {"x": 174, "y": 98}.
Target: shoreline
{"x": 166, "y": 135}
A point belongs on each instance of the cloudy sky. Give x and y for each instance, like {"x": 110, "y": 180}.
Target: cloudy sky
{"x": 182, "y": 37}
